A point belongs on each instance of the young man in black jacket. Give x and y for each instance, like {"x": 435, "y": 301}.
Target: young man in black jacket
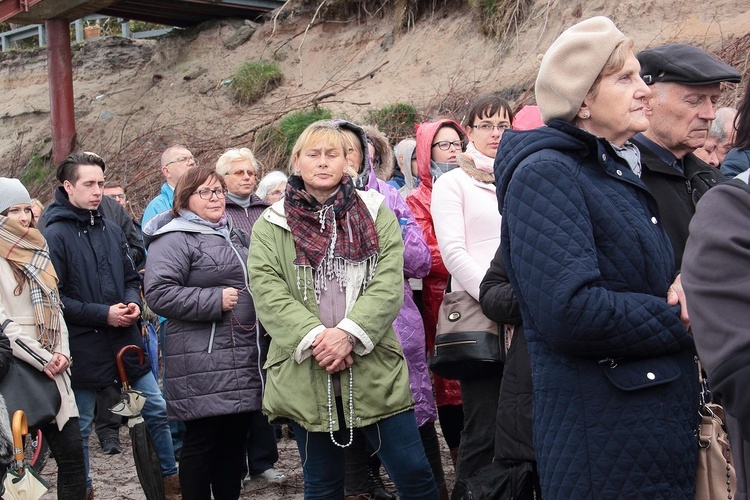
{"x": 100, "y": 291}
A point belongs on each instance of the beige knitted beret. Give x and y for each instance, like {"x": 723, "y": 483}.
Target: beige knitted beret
{"x": 571, "y": 65}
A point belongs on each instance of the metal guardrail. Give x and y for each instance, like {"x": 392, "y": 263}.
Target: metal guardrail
{"x": 38, "y": 30}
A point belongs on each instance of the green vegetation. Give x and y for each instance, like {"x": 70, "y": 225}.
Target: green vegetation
{"x": 499, "y": 18}
{"x": 396, "y": 121}
{"x": 293, "y": 124}
{"x": 274, "y": 143}
{"x": 35, "y": 173}
{"x": 254, "y": 79}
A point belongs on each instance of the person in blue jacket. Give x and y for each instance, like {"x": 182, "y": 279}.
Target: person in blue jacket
{"x": 615, "y": 394}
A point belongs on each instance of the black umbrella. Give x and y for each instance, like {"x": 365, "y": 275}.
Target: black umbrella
{"x": 144, "y": 452}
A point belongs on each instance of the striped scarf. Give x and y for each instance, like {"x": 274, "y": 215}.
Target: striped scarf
{"x": 26, "y": 250}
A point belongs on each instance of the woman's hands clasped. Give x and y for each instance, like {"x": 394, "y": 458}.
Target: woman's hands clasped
{"x": 332, "y": 350}
{"x": 58, "y": 364}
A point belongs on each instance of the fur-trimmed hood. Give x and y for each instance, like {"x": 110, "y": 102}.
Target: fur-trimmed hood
{"x": 384, "y": 169}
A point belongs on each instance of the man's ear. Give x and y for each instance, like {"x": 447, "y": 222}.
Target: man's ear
{"x": 67, "y": 186}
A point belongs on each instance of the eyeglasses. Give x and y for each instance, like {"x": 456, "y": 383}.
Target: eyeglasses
{"x": 489, "y": 127}
{"x": 207, "y": 194}
{"x": 183, "y": 159}
{"x": 446, "y": 145}
{"x": 241, "y": 173}
{"x": 117, "y": 196}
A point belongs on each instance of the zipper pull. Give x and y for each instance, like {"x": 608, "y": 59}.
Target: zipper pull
{"x": 92, "y": 217}
{"x": 689, "y": 187}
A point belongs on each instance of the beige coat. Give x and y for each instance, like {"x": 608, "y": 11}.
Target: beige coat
{"x": 18, "y": 308}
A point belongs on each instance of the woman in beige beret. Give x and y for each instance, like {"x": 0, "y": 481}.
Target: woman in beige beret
{"x": 615, "y": 385}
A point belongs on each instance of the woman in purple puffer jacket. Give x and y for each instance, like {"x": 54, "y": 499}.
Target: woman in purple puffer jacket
{"x": 369, "y": 171}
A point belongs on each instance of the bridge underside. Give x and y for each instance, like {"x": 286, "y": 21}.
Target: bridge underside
{"x": 170, "y": 12}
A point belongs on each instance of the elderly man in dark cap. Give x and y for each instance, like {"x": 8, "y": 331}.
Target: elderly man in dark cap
{"x": 686, "y": 83}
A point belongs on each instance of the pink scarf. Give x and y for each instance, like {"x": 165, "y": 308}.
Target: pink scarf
{"x": 481, "y": 161}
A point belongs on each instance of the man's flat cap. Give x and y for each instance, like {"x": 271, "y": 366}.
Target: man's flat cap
{"x": 684, "y": 64}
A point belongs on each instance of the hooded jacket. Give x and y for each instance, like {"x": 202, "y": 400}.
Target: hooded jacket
{"x": 405, "y": 149}
{"x": 214, "y": 356}
{"x": 408, "y": 324}
{"x": 447, "y": 392}
{"x": 297, "y": 385}
{"x": 591, "y": 262}
{"x": 95, "y": 272}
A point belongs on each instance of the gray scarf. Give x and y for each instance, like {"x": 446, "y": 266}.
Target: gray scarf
{"x": 242, "y": 202}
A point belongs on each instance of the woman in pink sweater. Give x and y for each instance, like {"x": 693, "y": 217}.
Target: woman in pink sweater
{"x": 467, "y": 226}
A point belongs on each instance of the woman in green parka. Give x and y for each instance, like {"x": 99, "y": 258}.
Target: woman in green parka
{"x": 326, "y": 272}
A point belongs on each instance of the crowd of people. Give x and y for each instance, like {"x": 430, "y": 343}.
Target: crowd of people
{"x": 311, "y": 298}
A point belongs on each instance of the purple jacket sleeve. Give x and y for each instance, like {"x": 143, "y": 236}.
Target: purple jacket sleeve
{"x": 417, "y": 259}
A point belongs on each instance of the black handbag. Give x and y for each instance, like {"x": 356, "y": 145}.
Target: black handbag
{"x": 467, "y": 344}
{"x": 26, "y": 388}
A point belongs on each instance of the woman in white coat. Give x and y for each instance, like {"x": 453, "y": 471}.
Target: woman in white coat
{"x": 467, "y": 226}
{"x": 36, "y": 329}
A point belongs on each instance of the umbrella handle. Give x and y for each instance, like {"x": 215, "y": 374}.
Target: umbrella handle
{"x": 20, "y": 428}
{"x": 121, "y": 365}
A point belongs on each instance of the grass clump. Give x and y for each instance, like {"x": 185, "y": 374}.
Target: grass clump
{"x": 292, "y": 125}
{"x": 254, "y": 79}
{"x": 36, "y": 171}
{"x": 396, "y": 121}
{"x": 273, "y": 144}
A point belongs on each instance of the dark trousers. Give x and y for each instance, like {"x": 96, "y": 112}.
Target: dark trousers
{"x": 451, "y": 418}
{"x": 67, "y": 448}
{"x": 262, "y": 451}
{"x": 480, "y": 399}
{"x": 107, "y": 423}
{"x": 212, "y": 458}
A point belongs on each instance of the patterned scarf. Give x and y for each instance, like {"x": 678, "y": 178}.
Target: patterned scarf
{"x": 481, "y": 160}
{"x": 26, "y": 250}
{"x": 332, "y": 237}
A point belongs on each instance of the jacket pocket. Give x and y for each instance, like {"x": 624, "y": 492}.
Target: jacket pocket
{"x": 634, "y": 375}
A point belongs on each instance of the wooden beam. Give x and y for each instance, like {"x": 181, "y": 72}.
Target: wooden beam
{"x": 41, "y": 10}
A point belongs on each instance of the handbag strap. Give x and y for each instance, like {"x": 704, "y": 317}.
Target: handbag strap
{"x": 706, "y": 396}
{"x": 5, "y": 323}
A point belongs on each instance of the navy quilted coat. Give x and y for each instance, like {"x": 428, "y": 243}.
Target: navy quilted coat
{"x": 615, "y": 389}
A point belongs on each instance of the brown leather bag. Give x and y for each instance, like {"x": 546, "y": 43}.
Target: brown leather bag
{"x": 467, "y": 344}
{"x": 714, "y": 477}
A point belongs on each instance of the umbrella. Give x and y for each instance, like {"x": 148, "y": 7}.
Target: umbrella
{"x": 144, "y": 452}
{"x": 21, "y": 481}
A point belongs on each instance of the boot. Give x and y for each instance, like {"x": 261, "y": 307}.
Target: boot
{"x": 172, "y": 489}
{"x": 361, "y": 496}
{"x": 375, "y": 482}
{"x": 90, "y": 493}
